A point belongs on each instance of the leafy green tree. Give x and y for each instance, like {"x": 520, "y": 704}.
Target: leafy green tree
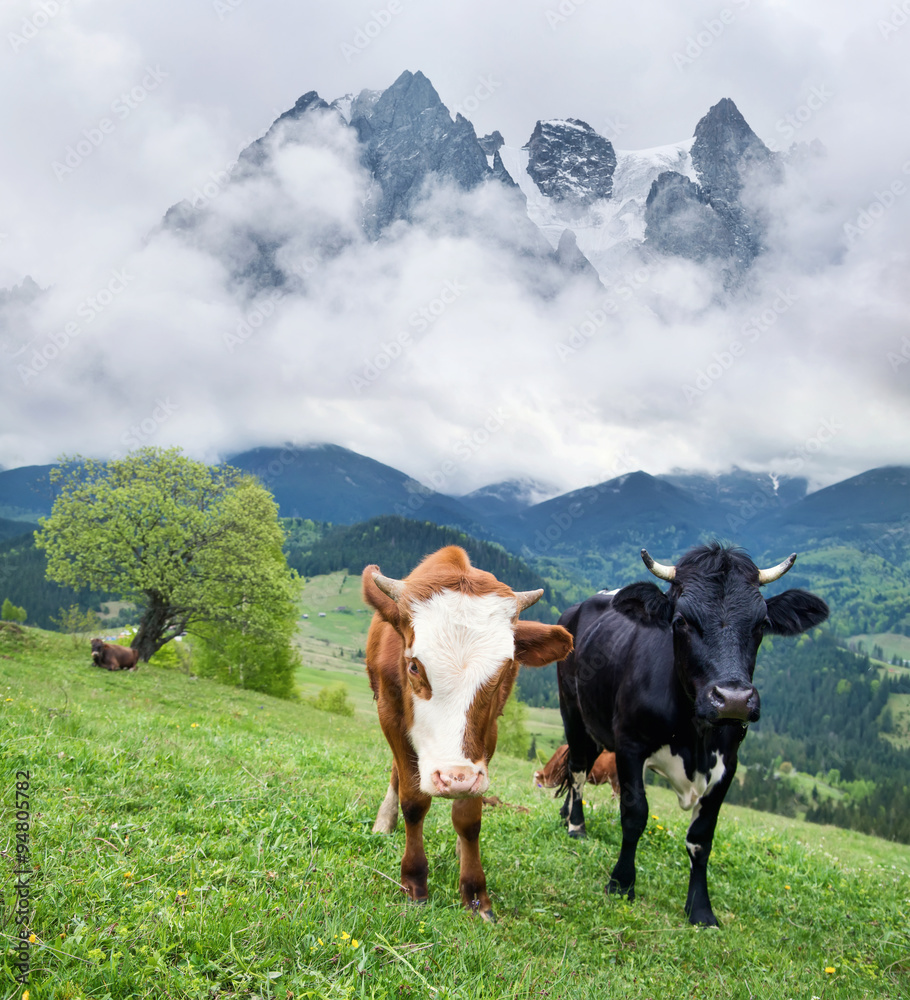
{"x": 79, "y": 624}
{"x": 10, "y": 613}
{"x": 196, "y": 548}
{"x": 512, "y": 733}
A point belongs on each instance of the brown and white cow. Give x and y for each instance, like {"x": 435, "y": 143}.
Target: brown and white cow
{"x": 443, "y": 652}
{"x": 556, "y": 774}
{"x": 109, "y": 656}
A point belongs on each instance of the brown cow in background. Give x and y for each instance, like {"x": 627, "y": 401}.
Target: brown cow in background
{"x": 110, "y": 657}
{"x": 556, "y": 772}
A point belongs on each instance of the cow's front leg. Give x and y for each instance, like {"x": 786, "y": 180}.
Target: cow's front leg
{"x": 472, "y": 883}
{"x": 699, "y": 839}
{"x": 633, "y": 813}
{"x": 414, "y": 868}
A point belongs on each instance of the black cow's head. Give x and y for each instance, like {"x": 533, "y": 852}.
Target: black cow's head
{"x": 718, "y": 616}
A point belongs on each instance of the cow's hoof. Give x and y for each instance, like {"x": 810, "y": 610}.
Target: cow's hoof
{"x": 415, "y": 893}
{"x": 578, "y": 832}
{"x": 704, "y": 919}
{"x": 488, "y": 916}
{"x": 614, "y": 888}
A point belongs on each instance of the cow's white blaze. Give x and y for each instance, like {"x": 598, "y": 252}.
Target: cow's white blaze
{"x": 463, "y": 641}
{"x": 688, "y": 790}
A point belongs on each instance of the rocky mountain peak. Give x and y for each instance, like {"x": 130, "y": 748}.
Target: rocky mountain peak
{"x": 725, "y": 151}
{"x": 569, "y": 161}
{"x": 408, "y": 134}
{"x": 311, "y": 101}
{"x": 492, "y": 143}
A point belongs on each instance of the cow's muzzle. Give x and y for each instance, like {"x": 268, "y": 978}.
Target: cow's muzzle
{"x": 739, "y": 704}
{"x": 460, "y": 781}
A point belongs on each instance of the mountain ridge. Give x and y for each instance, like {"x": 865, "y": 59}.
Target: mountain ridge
{"x": 667, "y": 512}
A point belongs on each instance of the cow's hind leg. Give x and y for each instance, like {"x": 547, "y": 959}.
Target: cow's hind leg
{"x": 633, "y": 812}
{"x": 387, "y": 817}
{"x": 472, "y": 882}
{"x": 583, "y": 751}
{"x": 699, "y": 839}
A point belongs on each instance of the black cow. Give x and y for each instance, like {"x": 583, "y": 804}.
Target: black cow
{"x": 665, "y": 681}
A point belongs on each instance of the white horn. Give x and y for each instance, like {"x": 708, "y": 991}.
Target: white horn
{"x": 525, "y": 598}
{"x": 776, "y": 572}
{"x": 391, "y": 588}
{"x": 658, "y": 569}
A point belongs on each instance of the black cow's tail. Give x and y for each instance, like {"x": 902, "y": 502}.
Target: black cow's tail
{"x": 562, "y": 775}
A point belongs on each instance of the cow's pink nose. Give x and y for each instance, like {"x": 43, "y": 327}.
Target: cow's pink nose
{"x": 460, "y": 782}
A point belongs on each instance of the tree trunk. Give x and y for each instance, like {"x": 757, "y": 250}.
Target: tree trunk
{"x": 152, "y": 628}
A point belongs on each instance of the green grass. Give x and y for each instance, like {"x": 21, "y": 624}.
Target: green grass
{"x": 891, "y": 644}
{"x": 193, "y": 840}
{"x": 326, "y": 594}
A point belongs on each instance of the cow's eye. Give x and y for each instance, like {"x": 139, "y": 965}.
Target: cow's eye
{"x": 680, "y": 623}
{"x": 413, "y": 668}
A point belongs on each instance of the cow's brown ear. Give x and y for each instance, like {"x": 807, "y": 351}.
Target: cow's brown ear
{"x": 537, "y": 644}
{"x": 381, "y": 602}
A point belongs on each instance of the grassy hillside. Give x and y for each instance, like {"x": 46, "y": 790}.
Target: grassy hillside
{"x": 192, "y": 840}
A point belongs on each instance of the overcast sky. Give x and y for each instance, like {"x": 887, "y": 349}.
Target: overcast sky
{"x": 166, "y": 94}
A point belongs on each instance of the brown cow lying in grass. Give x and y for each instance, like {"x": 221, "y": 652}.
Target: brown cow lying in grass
{"x": 110, "y": 657}
{"x": 556, "y": 772}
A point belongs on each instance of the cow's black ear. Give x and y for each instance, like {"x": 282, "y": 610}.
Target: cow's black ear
{"x": 644, "y": 603}
{"x": 795, "y": 611}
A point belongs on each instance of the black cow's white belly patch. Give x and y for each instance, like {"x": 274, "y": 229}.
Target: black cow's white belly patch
{"x": 688, "y": 790}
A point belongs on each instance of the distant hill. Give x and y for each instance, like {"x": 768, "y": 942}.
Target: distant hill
{"x": 14, "y": 529}
{"x": 589, "y": 537}
{"x": 26, "y": 493}
{"x": 871, "y": 511}
{"x": 23, "y": 581}
{"x": 505, "y": 499}
{"x": 327, "y": 483}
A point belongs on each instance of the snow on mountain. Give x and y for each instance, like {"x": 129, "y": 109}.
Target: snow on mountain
{"x": 608, "y": 228}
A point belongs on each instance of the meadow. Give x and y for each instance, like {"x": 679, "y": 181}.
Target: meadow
{"x": 195, "y": 840}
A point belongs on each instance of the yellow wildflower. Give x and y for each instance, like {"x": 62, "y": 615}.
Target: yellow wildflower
{"x": 786, "y": 887}
{"x": 354, "y": 942}
{"x": 320, "y": 940}
{"x": 32, "y": 939}
{"x": 830, "y": 970}
{"x": 344, "y": 935}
